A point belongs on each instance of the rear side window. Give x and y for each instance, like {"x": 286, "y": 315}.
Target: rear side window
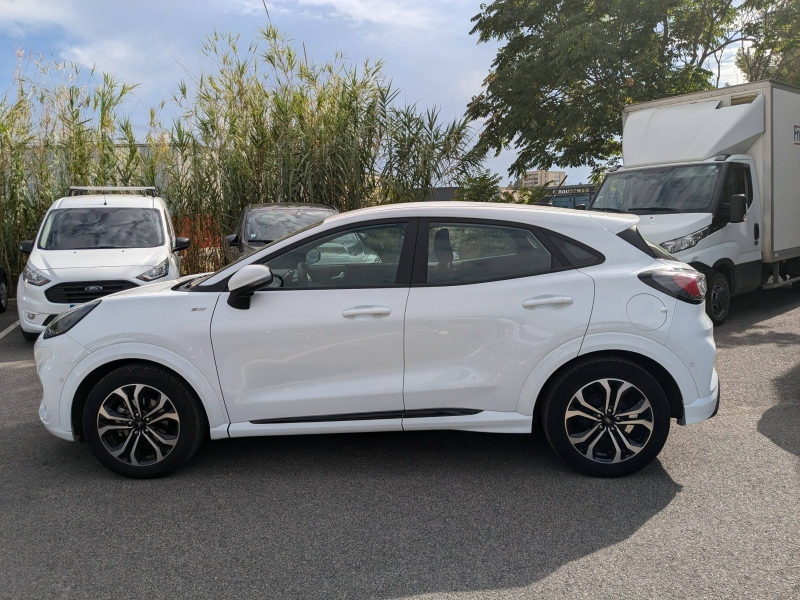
{"x": 460, "y": 253}
{"x": 578, "y": 255}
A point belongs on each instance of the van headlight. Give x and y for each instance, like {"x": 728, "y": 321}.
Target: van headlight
{"x": 684, "y": 243}
{"x": 34, "y": 277}
{"x": 156, "y": 272}
{"x": 68, "y": 319}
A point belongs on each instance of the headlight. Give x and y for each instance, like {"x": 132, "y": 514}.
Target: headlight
{"x": 34, "y": 277}
{"x": 156, "y": 272}
{"x": 68, "y": 319}
{"x": 684, "y": 243}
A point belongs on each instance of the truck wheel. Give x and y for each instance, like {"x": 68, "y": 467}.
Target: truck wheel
{"x": 718, "y": 298}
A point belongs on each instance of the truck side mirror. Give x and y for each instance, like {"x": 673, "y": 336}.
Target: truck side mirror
{"x": 26, "y": 246}
{"x": 232, "y": 239}
{"x": 181, "y": 243}
{"x": 737, "y": 208}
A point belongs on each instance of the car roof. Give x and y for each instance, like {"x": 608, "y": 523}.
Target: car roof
{"x": 113, "y": 200}
{"x": 291, "y": 206}
{"x": 542, "y": 215}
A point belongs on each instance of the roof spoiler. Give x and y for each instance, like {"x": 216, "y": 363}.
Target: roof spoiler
{"x": 80, "y": 190}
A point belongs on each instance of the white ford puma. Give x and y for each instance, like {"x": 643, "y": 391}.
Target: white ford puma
{"x": 478, "y": 317}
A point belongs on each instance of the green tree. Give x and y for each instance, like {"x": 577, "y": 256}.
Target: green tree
{"x": 567, "y": 68}
{"x": 774, "y": 30}
{"x": 483, "y": 186}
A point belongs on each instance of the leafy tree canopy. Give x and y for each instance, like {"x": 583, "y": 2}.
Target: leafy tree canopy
{"x": 774, "y": 30}
{"x": 567, "y": 68}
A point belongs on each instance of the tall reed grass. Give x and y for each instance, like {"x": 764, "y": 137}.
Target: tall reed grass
{"x": 256, "y": 123}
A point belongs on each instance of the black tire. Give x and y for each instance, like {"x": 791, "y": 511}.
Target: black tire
{"x": 718, "y": 298}
{"x": 31, "y": 336}
{"x": 178, "y": 423}
{"x": 606, "y": 439}
{"x": 3, "y": 295}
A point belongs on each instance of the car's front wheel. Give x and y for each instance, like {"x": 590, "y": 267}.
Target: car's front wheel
{"x": 606, "y": 417}
{"x": 142, "y": 421}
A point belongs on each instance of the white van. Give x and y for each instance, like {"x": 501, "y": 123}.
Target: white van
{"x": 92, "y": 243}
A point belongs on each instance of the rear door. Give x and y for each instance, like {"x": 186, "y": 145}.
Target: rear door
{"x": 488, "y": 301}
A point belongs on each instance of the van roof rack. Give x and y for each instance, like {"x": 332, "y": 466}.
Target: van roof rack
{"x": 80, "y": 190}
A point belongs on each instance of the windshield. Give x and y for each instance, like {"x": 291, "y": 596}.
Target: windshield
{"x": 264, "y": 226}
{"x": 101, "y": 227}
{"x": 686, "y": 188}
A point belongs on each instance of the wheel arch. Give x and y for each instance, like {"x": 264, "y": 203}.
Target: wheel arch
{"x": 668, "y": 370}
{"x": 664, "y": 379}
{"x": 100, "y": 363}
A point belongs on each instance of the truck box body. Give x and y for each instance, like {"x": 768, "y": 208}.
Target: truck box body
{"x": 759, "y": 119}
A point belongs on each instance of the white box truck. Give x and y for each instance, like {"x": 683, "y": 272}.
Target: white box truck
{"x": 715, "y": 179}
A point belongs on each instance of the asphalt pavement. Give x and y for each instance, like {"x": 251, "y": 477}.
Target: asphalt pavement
{"x": 431, "y": 514}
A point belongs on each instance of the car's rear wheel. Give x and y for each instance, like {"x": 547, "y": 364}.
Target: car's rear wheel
{"x": 606, "y": 417}
{"x": 142, "y": 421}
{"x": 718, "y": 299}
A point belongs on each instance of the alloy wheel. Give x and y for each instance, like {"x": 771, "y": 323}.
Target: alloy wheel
{"x": 138, "y": 425}
{"x": 609, "y": 421}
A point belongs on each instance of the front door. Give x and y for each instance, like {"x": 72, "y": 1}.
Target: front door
{"x": 326, "y": 341}
{"x": 494, "y": 301}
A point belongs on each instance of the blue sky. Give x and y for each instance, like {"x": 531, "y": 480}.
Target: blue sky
{"x": 426, "y": 45}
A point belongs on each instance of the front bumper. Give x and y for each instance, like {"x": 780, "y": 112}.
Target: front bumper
{"x": 703, "y": 408}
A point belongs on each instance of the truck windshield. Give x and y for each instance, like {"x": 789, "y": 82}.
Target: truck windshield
{"x": 687, "y": 188}
{"x": 101, "y": 227}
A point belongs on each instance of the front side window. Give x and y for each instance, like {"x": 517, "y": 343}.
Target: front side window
{"x": 738, "y": 182}
{"x": 361, "y": 257}
{"x": 461, "y": 253}
{"x": 102, "y": 227}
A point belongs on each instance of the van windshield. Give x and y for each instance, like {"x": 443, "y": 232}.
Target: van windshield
{"x": 101, "y": 227}
{"x": 686, "y": 188}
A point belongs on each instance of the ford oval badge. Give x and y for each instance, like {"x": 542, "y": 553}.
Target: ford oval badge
{"x": 93, "y": 288}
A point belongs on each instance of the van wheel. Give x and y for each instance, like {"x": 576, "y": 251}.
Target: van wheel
{"x": 142, "y": 421}
{"x": 3, "y": 295}
{"x": 606, "y": 417}
{"x": 31, "y": 336}
{"x": 718, "y": 298}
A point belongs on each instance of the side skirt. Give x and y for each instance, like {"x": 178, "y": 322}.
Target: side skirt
{"x": 415, "y": 420}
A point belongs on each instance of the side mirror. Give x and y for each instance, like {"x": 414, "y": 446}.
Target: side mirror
{"x": 737, "y": 208}
{"x": 313, "y": 256}
{"x": 181, "y": 244}
{"x": 246, "y": 282}
{"x": 26, "y": 246}
{"x": 232, "y": 239}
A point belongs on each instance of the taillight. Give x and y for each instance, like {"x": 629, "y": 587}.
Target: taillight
{"x": 689, "y": 286}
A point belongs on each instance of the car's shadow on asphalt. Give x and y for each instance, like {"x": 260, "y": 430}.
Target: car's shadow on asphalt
{"x": 781, "y": 423}
{"x": 415, "y": 513}
{"x": 390, "y": 515}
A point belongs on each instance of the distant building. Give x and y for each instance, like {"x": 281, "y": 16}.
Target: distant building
{"x": 533, "y": 179}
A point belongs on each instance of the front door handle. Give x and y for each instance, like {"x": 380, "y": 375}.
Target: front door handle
{"x": 547, "y": 301}
{"x": 366, "y": 311}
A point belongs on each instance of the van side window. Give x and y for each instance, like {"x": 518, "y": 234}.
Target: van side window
{"x": 738, "y": 181}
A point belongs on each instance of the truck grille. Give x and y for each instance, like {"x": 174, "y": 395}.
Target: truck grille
{"x": 76, "y": 292}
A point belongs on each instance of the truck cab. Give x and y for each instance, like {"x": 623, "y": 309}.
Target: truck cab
{"x": 715, "y": 179}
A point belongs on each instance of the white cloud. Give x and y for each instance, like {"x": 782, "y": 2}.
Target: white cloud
{"x": 19, "y": 16}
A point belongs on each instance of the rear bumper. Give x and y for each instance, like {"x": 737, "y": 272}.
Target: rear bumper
{"x": 703, "y": 408}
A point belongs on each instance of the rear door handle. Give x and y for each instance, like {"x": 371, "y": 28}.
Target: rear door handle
{"x": 366, "y": 311}
{"x": 547, "y": 301}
